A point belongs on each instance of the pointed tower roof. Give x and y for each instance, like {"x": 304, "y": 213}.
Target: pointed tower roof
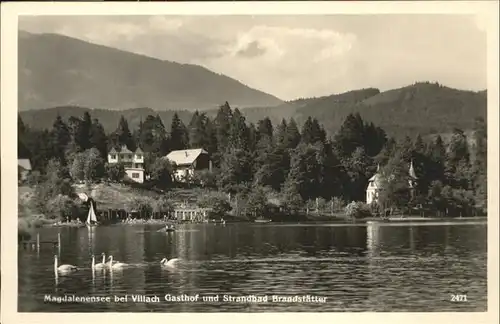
{"x": 377, "y": 176}
{"x": 412, "y": 171}
{"x": 124, "y": 149}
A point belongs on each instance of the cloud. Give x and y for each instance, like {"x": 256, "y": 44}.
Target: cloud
{"x": 299, "y": 56}
{"x": 251, "y": 49}
{"x": 163, "y": 23}
{"x": 291, "y": 61}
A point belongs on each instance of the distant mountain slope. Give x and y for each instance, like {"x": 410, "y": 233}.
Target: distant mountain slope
{"x": 44, "y": 119}
{"x": 423, "y": 108}
{"x": 56, "y": 70}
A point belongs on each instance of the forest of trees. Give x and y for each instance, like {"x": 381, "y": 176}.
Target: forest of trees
{"x": 257, "y": 161}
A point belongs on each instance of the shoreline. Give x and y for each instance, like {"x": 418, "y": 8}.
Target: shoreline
{"x": 391, "y": 220}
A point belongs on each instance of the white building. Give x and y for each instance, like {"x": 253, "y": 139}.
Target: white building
{"x": 376, "y": 181}
{"x": 132, "y": 161}
{"x": 187, "y": 162}
{"x": 23, "y": 168}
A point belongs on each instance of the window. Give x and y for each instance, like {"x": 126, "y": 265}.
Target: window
{"x": 139, "y": 156}
{"x": 135, "y": 175}
{"x": 113, "y": 156}
{"x": 129, "y": 156}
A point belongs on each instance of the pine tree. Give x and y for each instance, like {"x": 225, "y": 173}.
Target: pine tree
{"x": 238, "y": 131}
{"x": 312, "y": 132}
{"x": 198, "y": 136}
{"x": 356, "y": 167}
{"x": 395, "y": 192}
{"x": 293, "y": 137}
{"x": 437, "y": 156}
{"x": 60, "y": 139}
{"x": 457, "y": 166}
{"x": 281, "y": 134}
{"x": 123, "y": 136}
{"x": 374, "y": 139}
{"x": 98, "y": 138}
{"x": 265, "y": 128}
{"x": 178, "y": 134}
{"x": 329, "y": 177}
{"x": 236, "y": 170}
{"x": 480, "y": 164}
{"x": 83, "y": 132}
{"x": 304, "y": 171}
{"x": 350, "y": 136}
{"x": 222, "y": 125}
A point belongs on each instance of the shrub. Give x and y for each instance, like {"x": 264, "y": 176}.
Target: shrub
{"x": 257, "y": 203}
{"x": 115, "y": 171}
{"x": 142, "y": 205}
{"x": 24, "y": 229}
{"x": 163, "y": 205}
{"x": 217, "y": 202}
{"x": 357, "y": 209}
{"x": 62, "y": 207}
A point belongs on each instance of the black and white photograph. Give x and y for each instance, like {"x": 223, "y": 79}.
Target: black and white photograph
{"x": 333, "y": 162}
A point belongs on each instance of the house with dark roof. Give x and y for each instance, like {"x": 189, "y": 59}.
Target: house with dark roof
{"x": 188, "y": 162}
{"x": 132, "y": 161}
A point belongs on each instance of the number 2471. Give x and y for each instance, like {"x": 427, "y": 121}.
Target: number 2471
{"x": 458, "y": 298}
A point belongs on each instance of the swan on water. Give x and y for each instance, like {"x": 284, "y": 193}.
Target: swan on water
{"x": 109, "y": 262}
{"x": 99, "y": 266}
{"x": 116, "y": 264}
{"x": 64, "y": 268}
{"x": 169, "y": 263}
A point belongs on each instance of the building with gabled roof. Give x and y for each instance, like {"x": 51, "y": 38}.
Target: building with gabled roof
{"x": 188, "y": 162}
{"x": 132, "y": 161}
{"x": 375, "y": 183}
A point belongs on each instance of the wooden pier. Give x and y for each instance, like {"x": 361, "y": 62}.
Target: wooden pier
{"x": 36, "y": 243}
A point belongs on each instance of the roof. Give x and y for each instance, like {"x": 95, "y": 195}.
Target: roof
{"x": 124, "y": 149}
{"x": 24, "y": 163}
{"x": 138, "y": 151}
{"x": 377, "y": 179}
{"x": 412, "y": 171}
{"x": 113, "y": 150}
{"x": 183, "y": 157}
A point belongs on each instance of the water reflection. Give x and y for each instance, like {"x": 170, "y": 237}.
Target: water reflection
{"x": 359, "y": 268}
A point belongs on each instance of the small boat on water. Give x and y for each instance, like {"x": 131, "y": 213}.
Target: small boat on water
{"x": 91, "y": 217}
{"x": 169, "y": 228}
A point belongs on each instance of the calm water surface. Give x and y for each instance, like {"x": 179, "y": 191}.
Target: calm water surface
{"x": 373, "y": 267}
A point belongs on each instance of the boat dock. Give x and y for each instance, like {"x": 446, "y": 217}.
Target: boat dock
{"x": 36, "y": 243}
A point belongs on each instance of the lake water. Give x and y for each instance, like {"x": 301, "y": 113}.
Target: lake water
{"x": 365, "y": 267}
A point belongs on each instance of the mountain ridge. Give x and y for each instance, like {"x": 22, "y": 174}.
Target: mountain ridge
{"x": 92, "y": 75}
{"x": 424, "y": 108}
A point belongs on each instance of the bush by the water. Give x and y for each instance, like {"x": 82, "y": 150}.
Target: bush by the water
{"x": 142, "y": 205}
{"x": 62, "y": 207}
{"x": 27, "y": 225}
{"x": 216, "y": 202}
{"x": 357, "y": 209}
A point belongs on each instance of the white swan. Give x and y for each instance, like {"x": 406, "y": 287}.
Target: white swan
{"x": 109, "y": 262}
{"x": 169, "y": 263}
{"x": 99, "y": 266}
{"x": 117, "y": 265}
{"x": 63, "y": 268}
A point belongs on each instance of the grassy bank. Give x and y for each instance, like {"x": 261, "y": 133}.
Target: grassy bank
{"x": 119, "y": 196}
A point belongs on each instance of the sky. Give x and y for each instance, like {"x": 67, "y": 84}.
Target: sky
{"x": 299, "y": 56}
